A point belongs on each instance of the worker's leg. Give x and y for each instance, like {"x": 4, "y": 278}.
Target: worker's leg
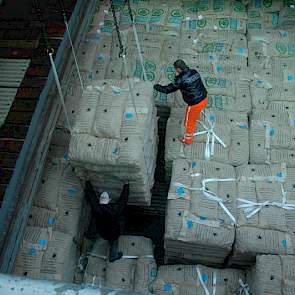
{"x": 192, "y": 116}
{"x": 114, "y": 254}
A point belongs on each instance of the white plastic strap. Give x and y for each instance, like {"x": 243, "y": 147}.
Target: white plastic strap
{"x": 130, "y": 85}
{"x": 244, "y": 289}
{"x": 60, "y": 91}
{"x": 210, "y": 137}
{"x": 74, "y": 54}
{"x": 203, "y": 283}
{"x": 251, "y": 208}
{"x": 209, "y": 194}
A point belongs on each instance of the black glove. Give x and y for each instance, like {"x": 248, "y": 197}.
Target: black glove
{"x": 157, "y": 87}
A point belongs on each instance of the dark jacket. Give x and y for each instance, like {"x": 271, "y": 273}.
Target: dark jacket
{"x": 107, "y": 216}
{"x": 189, "y": 83}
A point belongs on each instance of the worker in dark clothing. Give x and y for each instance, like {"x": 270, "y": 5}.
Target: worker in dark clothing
{"x": 107, "y": 216}
{"x": 194, "y": 93}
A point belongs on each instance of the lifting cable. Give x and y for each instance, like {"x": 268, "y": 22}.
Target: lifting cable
{"x": 136, "y": 40}
{"x": 122, "y": 54}
{"x": 62, "y": 7}
{"x": 50, "y": 52}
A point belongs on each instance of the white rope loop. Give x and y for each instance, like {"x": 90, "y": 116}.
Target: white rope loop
{"x": 203, "y": 283}
{"x": 244, "y": 289}
{"x": 60, "y": 91}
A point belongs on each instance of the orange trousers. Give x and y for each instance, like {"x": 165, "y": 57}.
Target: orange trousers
{"x": 192, "y": 115}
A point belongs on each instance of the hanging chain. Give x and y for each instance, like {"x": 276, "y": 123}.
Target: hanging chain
{"x": 122, "y": 49}
{"x": 130, "y": 10}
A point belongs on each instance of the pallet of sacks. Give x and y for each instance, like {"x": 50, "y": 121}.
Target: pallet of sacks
{"x": 134, "y": 272}
{"x": 265, "y": 212}
{"x": 272, "y": 274}
{"x": 199, "y": 279}
{"x": 56, "y": 224}
{"x": 230, "y": 127}
{"x": 200, "y": 213}
{"x": 272, "y": 137}
{"x": 114, "y": 138}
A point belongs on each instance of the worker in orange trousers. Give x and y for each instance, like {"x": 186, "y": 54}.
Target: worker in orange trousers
{"x": 194, "y": 93}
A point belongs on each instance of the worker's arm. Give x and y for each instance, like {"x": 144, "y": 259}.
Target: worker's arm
{"x": 90, "y": 195}
{"x": 122, "y": 202}
{"x": 172, "y": 87}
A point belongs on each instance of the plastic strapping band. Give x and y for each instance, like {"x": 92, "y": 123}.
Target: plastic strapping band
{"x": 244, "y": 289}
{"x": 60, "y": 91}
{"x": 74, "y": 54}
{"x": 130, "y": 86}
{"x": 209, "y": 194}
{"x": 203, "y": 283}
{"x": 252, "y": 208}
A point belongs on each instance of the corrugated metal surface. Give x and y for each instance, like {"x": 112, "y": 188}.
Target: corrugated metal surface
{"x": 12, "y": 71}
{"x": 6, "y": 98}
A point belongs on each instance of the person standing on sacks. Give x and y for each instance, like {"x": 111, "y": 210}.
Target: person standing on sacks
{"x": 194, "y": 93}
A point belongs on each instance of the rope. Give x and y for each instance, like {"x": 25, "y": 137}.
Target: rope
{"x": 62, "y": 7}
{"x": 137, "y": 40}
{"x": 59, "y": 90}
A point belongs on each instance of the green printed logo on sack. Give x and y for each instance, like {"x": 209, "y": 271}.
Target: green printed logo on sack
{"x": 108, "y": 26}
{"x": 281, "y": 48}
{"x": 213, "y": 47}
{"x": 175, "y": 17}
{"x": 156, "y": 15}
{"x": 239, "y": 7}
{"x": 223, "y": 23}
{"x": 218, "y": 6}
{"x": 267, "y": 3}
{"x": 141, "y": 16}
{"x": 215, "y": 82}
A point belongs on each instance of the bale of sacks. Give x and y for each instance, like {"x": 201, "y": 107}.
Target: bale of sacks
{"x": 198, "y": 279}
{"x": 265, "y": 212}
{"x": 134, "y": 272}
{"x": 272, "y": 137}
{"x": 57, "y": 221}
{"x": 230, "y": 127}
{"x": 47, "y": 254}
{"x": 272, "y": 274}
{"x": 114, "y": 142}
{"x": 201, "y": 212}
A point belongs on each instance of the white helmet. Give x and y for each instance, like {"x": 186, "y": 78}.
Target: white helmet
{"x": 104, "y": 198}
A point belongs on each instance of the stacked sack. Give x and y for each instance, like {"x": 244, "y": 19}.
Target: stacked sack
{"x": 114, "y": 138}
{"x": 56, "y": 224}
{"x": 272, "y": 274}
{"x": 272, "y": 135}
{"x": 201, "y": 212}
{"x": 134, "y": 272}
{"x": 265, "y": 212}
{"x": 228, "y": 130}
{"x": 198, "y": 279}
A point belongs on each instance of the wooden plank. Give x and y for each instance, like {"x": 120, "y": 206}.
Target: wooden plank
{"x": 23, "y": 118}
{"x": 33, "y": 82}
{"x": 13, "y": 131}
{"x": 37, "y": 71}
{"x": 28, "y": 92}
{"x": 11, "y": 145}
{"x": 16, "y": 52}
{"x": 23, "y": 105}
{"x": 5, "y": 175}
{"x": 8, "y": 160}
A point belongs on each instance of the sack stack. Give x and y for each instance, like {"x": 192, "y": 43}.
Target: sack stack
{"x": 265, "y": 212}
{"x": 57, "y": 222}
{"x": 201, "y": 212}
{"x": 230, "y": 127}
{"x": 272, "y": 274}
{"x": 133, "y": 272}
{"x": 197, "y": 279}
{"x": 114, "y": 142}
